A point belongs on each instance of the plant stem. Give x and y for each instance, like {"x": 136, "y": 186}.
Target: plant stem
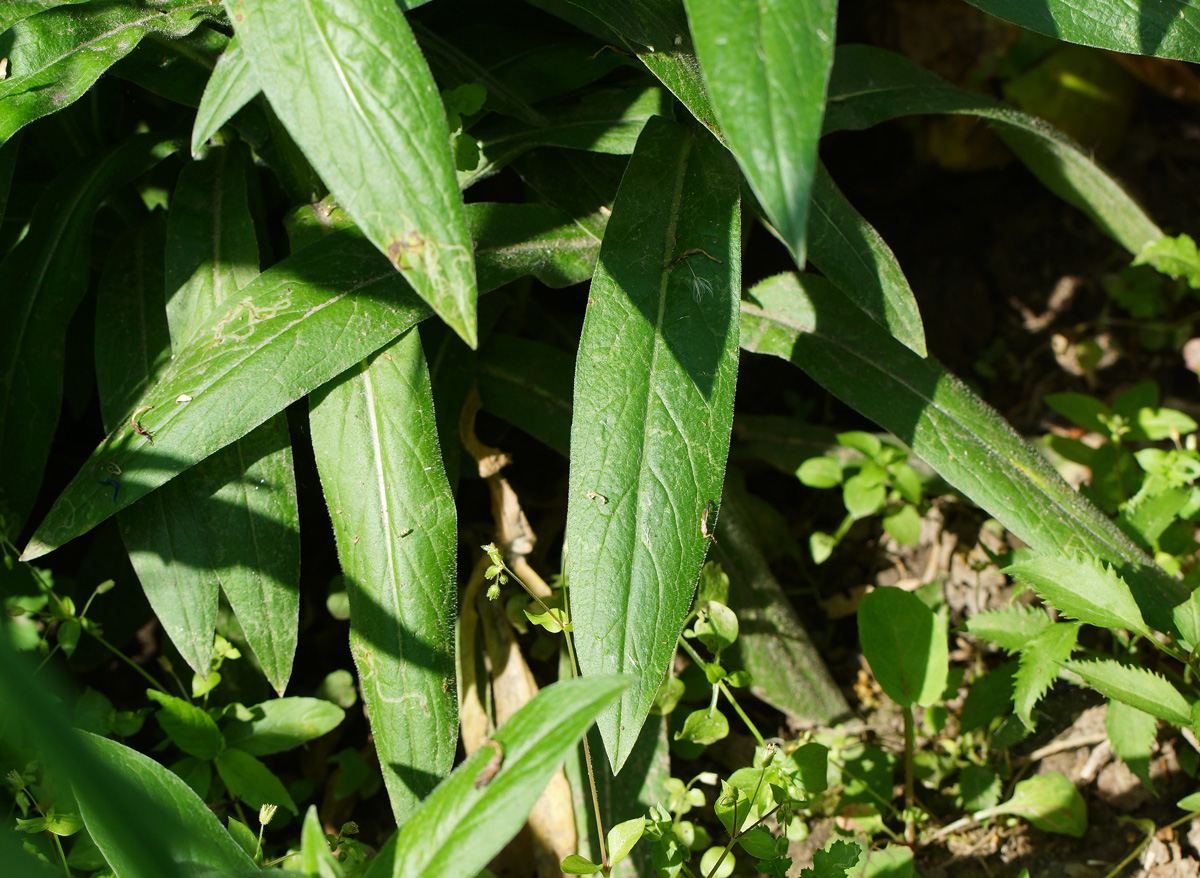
{"x": 129, "y": 661}
{"x": 687, "y": 647}
{"x": 909, "y": 746}
{"x": 587, "y": 751}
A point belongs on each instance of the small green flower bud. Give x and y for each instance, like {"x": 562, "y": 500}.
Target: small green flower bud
{"x": 266, "y": 814}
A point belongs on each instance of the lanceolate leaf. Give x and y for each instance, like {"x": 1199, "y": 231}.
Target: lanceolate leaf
{"x": 349, "y": 83}
{"x": 653, "y": 405}
{"x": 1135, "y": 686}
{"x": 766, "y": 63}
{"x": 848, "y": 251}
{"x": 872, "y": 85}
{"x": 1166, "y": 28}
{"x": 55, "y": 56}
{"x": 1083, "y": 589}
{"x": 1038, "y": 667}
{"x": 42, "y": 280}
{"x": 231, "y": 86}
{"x": 394, "y": 518}
{"x": 905, "y": 643}
{"x": 960, "y": 436}
{"x": 469, "y": 818}
{"x": 274, "y": 345}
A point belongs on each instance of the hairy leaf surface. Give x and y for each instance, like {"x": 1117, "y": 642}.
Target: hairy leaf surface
{"x": 365, "y": 112}
{"x": 394, "y": 518}
{"x": 654, "y": 383}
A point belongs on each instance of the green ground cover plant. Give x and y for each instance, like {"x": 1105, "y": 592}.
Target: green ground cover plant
{"x": 261, "y": 265}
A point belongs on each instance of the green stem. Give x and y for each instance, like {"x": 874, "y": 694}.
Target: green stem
{"x": 909, "y": 747}
{"x": 128, "y": 661}
{"x": 687, "y": 647}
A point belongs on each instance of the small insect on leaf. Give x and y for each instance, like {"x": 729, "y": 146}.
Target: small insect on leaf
{"x": 493, "y": 766}
{"x": 3, "y": 68}
{"x": 138, "y": 428}
{"x": 710, "y": 508}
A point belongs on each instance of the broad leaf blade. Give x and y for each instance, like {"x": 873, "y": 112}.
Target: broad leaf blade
{"x": 1165, "y": 28}
{"x": 872, "y": 85}
{"x": 766, "y": 64}
{"x": 55, "y": 56}
{"x": 1135, "y": 686}
{"x": 654, "y": 383}
{"x": 283, "y": 724}
{"x": 394, "y": 518}
{"x": 271, "y": 348}
{"x": 528, "y": 384}
{"x": 848, "y": 251}
{"x": 960, "y": 436}
{"x": 42, "y": 280}
{"x": 1083, "y": 589}
{"x": 465, "y": 822}
{"x": 231, "y": 86}
{"x": 905, "y": 643}
{"x": 387, "y": 159}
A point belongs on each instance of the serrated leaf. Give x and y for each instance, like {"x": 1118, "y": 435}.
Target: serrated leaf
{"x": 905, "y": 644}
{"x": 1136, "y": 686}
{"x": 231, "y": 86}
{"x": 952, "y": 429}
{"x": 394, "y": 519}
{"x": 848, "y": 251}
{"x": 462, "y": 824}
{"x": 1167, "y": 30}
{"x": 834, "y": 861}
{"x": 1133, "y": 734}
{"x": 1048, "y": 801}
{"x": 283, "y": 723}
{"x": 387, "y": 159}
{"x": 766, "y": 65}
{"x": 1175, "y": 256}
{"x": 654, "y": 383}
{"x": 1038, "y": 667}
{"x": 1082, "y": 588}
{"x": 278, "y": 342}
{"x": 871, "y": 85}
{"x": 44, "y": 278}
{"x": 1011, "y": 627}
{"x": 55, "y": 56}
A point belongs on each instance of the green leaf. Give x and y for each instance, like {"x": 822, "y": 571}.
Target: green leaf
{"x": 45, "y": 277}
{"x": 56, "y": 55}
{"x": 1167, "y": 30}
{"x": 251, "y": 781}
{"x": 622, "y": 838}
{"x": 1173, "y": 256}
{"x": 833, "y": 862}
{"x": 871, "y": 85}
{"x": 56, "y": 824}
{"x": 891, "y": 861}
{"x": 315, "y": 857}
{"x": 863, "y": 496}
{"x": 960, "y": 436}
{"x": 905, "y": 644}
{"x": 231, "y": 86}
{"x": 388, "y": 158}
{"x": 463, "y": 823}
{"x": 577, "y": 865}
{"x": 277, "y": 340}
{"x": 766, "y": 65}
{"x": 1082, "y": 588}
{"x": 189, "y": 727}
{"x": 1011, "y": 627}
{"x": 848, "y": 251}
{"x": 283, "y": 724}
{"x": 1048, "y": 801}
{"x": 187, "y": 833}
{"x": 515, "y": 240}
{"x": 1038, "y": 667}
{"x": 176, "y": 69}
{"x": 904, "y": 524}
{"x": 1133, "y": 734}
{"x": 529, "y": 384}
{"x": 1080, "y": 409}
{"x": 704, "y": 726}
{"x": 242, "y": 834}
{"x": 605, "y": 120}
{"x": 654, "y": 383}
{"x": 820, "y": 472}
{"x": 989, "y": 697}
{"x": 394, "y": 519}
{"x": 717, "y": 627}
{"x": 1136, "y": 686}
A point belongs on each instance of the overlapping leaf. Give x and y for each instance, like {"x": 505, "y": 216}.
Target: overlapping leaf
{"x": 387, "y": 158}
{"x": 653, "y": 404}
{"x": 231, "y": 86}
{"x": 960, "y": 436}
{"x": 42, "y": 281}
{"x": 56, "y": 55}
{"x": 394, "y": 519}
{"x": 298, "y": 325}
{"x": 872, "y": 85}
{"x": 766, "y": 64}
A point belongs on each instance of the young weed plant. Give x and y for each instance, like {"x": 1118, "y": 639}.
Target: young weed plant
{"x": 259, "y": 261}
